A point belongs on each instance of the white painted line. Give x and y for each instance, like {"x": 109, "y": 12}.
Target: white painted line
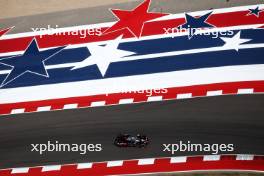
{"x": 18, "y": 111}
{"x": 183, "y": 96}
{"x": 70, "y": 106}
{"x": 211, "y": 157}
{"x": 214, "y": 93}
{"x": 155, "y": 98}
{"x": 126, "y": 101}
{"x": 114, "y": 163}
{"x": 98, "y": 103}
{"x": 43, "y": 108}
{"x": 179, "y": 159}
{"x": 245, "y": 91}
{"x": 51, "y": 168}
{"x": 130, "y": 83}
{"x": 146, "y": 161}
{"x": 245, "y": 157}
{"x": 20, "y": 170}
{"x": 84, "y": 165}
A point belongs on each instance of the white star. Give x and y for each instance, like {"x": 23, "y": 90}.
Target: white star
{"x": 103, "y": 56}
{"x": 234, "y": 42}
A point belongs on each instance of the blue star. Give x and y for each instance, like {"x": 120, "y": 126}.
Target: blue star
{"x": 32, "y": 61}
{"x": 194, "y": 23}
{"x": 255, "y": 11}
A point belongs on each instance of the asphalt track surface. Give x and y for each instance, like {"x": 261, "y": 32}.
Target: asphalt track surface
{"x": 225, "y": 119}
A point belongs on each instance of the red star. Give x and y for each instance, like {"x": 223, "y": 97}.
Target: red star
{"x": 2, "y": 32}
{"x": 133, "y": 20}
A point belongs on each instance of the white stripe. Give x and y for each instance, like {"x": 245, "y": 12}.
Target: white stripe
{"x": 70, "y": 106}
{"x": 98, "y": 103}
{"x": 245, "y": 91}
{"x": 84, "y": 165}
{"x": 178, "y": 159}
{"x": 155, "y": 98}
{"x": 108, "y": 24}
{"x": 211, "y": 157}
{"x": 17, "y": 111}
{"x": 245, "y": 157}
{"x": 114, "y": 163}
{"x": 51, "y": 168}
{"x": 44, "y": 108}
{"x": 134, "y": 83}
{"x": 214, "y": 93}
{"x": 146, "y": 161}
{"x": 126, "y": 101}
{"x": 20, "y": 170}
{"x": 183, "y": 96}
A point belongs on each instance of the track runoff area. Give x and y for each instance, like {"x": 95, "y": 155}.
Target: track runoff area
{"x": 137, "y": 46}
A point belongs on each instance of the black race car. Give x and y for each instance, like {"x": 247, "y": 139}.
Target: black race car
{"x": 126, "y": 140}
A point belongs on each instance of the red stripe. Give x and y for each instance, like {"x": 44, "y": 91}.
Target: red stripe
{"x": 111, "y": 99}
{"x": 3, "y": 31}
{"x": 226, "y": 162}
{"x": 151, "y": 28}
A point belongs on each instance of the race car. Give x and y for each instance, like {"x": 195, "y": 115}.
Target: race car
{"x": 126, "y": 140}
